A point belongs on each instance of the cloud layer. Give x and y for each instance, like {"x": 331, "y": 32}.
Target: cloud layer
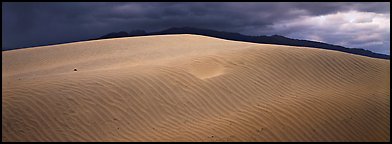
{"x": 360, "y": 25}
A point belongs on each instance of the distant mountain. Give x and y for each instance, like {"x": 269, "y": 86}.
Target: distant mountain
{"x": 124, "y": 34}
{"x": 274, "y": 39}
{"x": 115, "y": 35}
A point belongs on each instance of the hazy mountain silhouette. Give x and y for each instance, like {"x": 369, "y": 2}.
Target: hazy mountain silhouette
{"x": 274, "y": 39}
{"x": 124, "y": 34}
{"x": 116, "y": 35}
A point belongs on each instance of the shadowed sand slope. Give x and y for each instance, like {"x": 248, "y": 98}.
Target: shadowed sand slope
{"x": 192, "y": 88}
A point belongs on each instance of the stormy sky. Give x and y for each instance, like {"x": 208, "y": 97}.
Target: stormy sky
{"x": 355, "y": 25}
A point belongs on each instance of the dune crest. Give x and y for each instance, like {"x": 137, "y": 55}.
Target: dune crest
{"x": 192, "y": 88}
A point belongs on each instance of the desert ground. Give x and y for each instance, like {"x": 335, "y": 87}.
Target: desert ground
{"x": 192, "y": 88}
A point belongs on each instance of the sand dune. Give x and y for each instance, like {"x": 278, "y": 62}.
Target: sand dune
{"x": 192, "y": 88}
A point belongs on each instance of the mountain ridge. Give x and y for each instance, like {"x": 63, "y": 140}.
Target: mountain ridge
{"x": 262, "y": 39}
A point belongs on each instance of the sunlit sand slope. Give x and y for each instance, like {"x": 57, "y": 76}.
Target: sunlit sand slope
{"x": 192, "y": 88}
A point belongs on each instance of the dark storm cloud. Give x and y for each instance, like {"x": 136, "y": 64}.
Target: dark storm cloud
{"x": 31, "y": 24}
